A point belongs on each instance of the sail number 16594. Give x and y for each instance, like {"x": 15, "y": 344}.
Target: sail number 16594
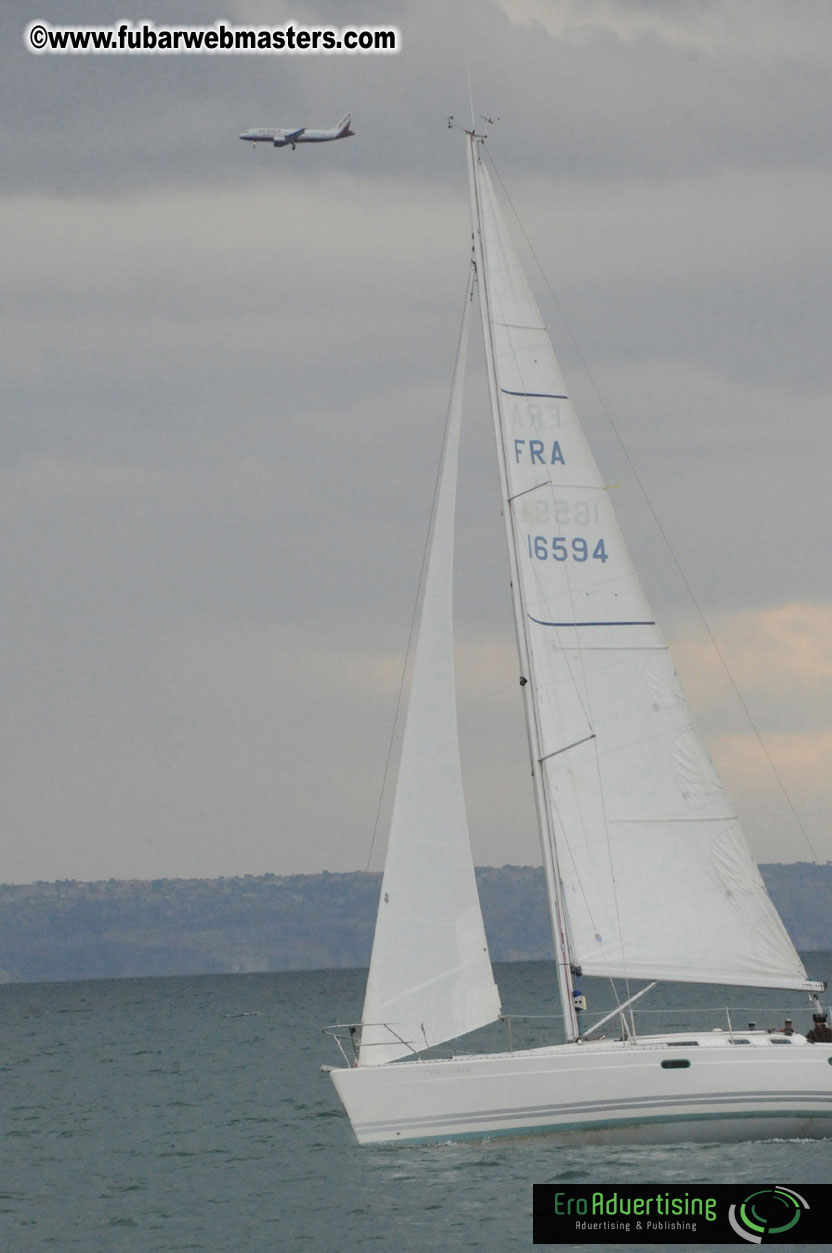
{"x": 560, "y": 548}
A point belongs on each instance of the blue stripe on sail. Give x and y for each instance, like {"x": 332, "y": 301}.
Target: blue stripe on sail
{"x": 536, "y": 395}
{"x": 589, "y": 624}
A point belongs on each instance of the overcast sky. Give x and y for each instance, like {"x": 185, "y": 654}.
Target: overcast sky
{"x": 225, "y": 372}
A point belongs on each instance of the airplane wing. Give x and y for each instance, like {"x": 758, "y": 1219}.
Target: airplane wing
{"x": 291, "y": 137}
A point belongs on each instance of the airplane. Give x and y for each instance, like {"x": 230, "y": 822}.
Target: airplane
{"x": 282, "y": 138}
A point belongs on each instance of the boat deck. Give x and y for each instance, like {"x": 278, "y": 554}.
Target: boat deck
{"x": 718, "y": 1038}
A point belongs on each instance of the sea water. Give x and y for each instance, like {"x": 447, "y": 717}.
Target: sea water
{"x": 192, "y": 1113}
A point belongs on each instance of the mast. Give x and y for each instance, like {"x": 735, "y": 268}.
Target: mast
{"x": 563, "y": 956}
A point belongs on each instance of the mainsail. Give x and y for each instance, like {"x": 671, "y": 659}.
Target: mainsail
{"x": 655, "y": 875}
{"x": 430, "y": 974}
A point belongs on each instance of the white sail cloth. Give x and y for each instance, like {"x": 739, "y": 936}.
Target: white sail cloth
{"x": 430, "y": 974}
{"x": 657, "y": 878}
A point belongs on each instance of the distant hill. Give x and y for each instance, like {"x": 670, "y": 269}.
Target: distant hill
{"x": 123, "y": 928}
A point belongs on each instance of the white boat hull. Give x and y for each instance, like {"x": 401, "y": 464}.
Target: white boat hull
{"x": 604, "y": 1092}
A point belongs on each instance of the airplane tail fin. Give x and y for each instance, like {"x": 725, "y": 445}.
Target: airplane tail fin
{"x": 343, "y": 127}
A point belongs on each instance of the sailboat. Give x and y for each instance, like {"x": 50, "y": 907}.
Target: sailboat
{"x": 647, "y": 870}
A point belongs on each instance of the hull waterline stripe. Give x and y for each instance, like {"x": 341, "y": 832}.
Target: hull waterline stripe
{"x": 610, "y": 1124}
{"x": 587, "y": 1109}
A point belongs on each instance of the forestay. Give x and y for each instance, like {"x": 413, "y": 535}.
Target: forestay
{"x": 430, "y": 975}
{"x": 657, "y": 879}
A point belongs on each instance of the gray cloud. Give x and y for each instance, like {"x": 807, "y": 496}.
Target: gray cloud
{"x": 225, "y": 374}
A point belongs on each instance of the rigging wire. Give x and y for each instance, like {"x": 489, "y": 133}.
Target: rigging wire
{"x": 665, "y": 538}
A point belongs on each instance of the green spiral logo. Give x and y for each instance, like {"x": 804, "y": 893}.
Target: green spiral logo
{"x": 769, "y": 1212}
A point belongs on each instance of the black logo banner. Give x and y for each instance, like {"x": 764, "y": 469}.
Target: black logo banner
{"x": 695, "y": 1213}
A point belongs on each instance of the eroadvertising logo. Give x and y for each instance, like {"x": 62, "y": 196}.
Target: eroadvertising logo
{"x": 696, "y": 1213}
{"x": 769, "y": 1212}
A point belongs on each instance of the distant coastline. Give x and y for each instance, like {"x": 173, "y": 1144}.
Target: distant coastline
{"x": 132, "y": 928}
